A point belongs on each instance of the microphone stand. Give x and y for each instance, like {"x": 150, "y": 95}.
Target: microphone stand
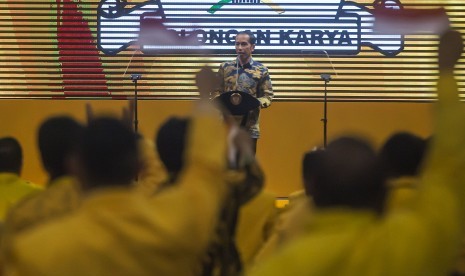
{"x": 135, "y": 78}
{"x": 326, "y": 78}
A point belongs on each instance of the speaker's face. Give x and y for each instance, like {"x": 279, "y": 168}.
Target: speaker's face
{"x": 243, "y": 46}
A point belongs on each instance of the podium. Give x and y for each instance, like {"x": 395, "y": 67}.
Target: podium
{"x": 237, "y": 102}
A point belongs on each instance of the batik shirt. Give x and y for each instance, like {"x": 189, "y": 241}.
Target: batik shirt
{"x": 252, "y": 78}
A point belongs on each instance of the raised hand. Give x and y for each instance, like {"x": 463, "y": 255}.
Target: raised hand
{"x": 450, "y": 50}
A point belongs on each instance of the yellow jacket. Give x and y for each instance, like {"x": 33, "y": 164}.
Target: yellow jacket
{"x": 422, "y": 240}
{"x": 288, "y": 226}
{"x": 402, "y": 192}
{"x": 61, "y": 197}
{"x": 255, "y": 224}
{"x": 12, "y": 189}
{"x": 153, "y": 173}
{"x": 118, "y": 232}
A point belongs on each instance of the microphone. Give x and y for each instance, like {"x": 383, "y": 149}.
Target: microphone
{"x": 325, "y": 77}
{"x": 136, "y": 77}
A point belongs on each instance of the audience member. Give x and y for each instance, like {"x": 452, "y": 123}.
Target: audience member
{"x": 295, "y": 215}
{"x": 347, "y": 235}
{"x": 348, "y": 175}
{"x": 170, "y": 143}
{"x": 402, "y": 155}
{"x": 57, "y": 140}
{"x": 257, "y": 219}
{"x": 152, "y": 174}
{"x": 401, "y": 158}
{"x": 210, "y": 216}
{"x": 12, "y": 187}
{"x": 120, "y": 232}
{"x": 310, "y": 164}
{"x": 222, "y": 257}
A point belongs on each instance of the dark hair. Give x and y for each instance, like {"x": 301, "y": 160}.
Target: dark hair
{"x": 11, "y": 155}
{"x": 58, "y": 138}
{"x": 170, "y": 141}
{"x": 109, "y": 153}
{"x": 310, "y": 164}
{"x": 348, "y": 175}
{"x": 252, "y": 38}
{"x": 402, "y": 154}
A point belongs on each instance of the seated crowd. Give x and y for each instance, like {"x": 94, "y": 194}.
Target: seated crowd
{"x": 117, "y": 203}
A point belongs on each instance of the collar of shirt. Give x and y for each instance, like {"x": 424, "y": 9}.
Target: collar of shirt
{"x": 248, "y": 65}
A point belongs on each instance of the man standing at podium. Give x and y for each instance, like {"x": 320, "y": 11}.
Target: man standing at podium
{"x": 247, "y": 75}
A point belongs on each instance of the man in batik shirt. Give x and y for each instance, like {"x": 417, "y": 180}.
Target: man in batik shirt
{"x": 247, "y": 75}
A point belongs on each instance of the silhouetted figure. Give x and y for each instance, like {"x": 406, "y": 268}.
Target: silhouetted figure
{"x": 58, "y": 138}
{"x": 348, "y": 175}
{"x": 401, "y": 159}
{"x": 223, "y": 257}
{"x": 402, "y": 155}
{"x": 348, "y": 236}
{"x": 118, "y": 231}
{"x": 12, "y": 187}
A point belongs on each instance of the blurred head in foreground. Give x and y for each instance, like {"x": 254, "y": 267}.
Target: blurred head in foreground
{"x": 348, "y": 175}
{"x": 108, "y": 154}
{"x": 58, "y": 138}
{"x": 170, "y": 141}
{"x": 402, "y": 155}
{"x": 11, "y": 155}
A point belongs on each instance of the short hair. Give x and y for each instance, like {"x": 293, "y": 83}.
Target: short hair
{"x": 108, "y": 153}
{"x": 57, "y": 139}
{"x": 348, "y": 175}
{"x": 252, "y": 38}
{"x": 11, "y": 155}
{"x": 310, "y": 164}
{"x": 171, "y": 141}
{"x": 402, "y": 154}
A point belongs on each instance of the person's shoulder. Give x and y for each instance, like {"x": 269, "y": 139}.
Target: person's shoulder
{"x": 51, "y": 237}
{"x": 58, "y": 200}
{"x": 258, "y": 65}
{"x": 228, "y": 63}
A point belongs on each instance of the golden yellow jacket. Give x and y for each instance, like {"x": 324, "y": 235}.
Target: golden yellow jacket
{"x": 61, "y": 197}
{"x": 288, "y": 226}
{"x": 255, "y": 224}
{"x": 153, "y": 173}
{"x": 118, "y": 232}
{"x": 422, "y": 240}
{"x": 402, "y": 192}
{"x": 13, "y": 189}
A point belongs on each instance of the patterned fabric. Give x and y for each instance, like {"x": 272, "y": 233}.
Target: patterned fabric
{"x": 223, "y": 256}
{"x": 252, "y": 78}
